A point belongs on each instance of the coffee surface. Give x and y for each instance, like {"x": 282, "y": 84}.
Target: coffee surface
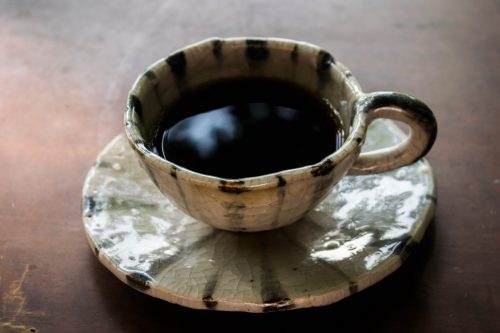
{"x": 249, "y": 127}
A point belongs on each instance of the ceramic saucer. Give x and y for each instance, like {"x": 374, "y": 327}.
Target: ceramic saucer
{"x": 358, "y": 235}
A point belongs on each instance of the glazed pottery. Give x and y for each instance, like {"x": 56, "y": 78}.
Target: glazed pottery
{"x": 360, "y": 233}
{"x": 272, "y": 200}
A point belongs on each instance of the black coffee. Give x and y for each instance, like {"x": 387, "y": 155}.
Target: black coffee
{"x": 247, "y": 127}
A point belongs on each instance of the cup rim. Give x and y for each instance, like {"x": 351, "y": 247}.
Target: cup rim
{"x": 352, "y": 142}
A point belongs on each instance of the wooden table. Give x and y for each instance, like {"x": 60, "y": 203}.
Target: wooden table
{"x": 66, "y": 67}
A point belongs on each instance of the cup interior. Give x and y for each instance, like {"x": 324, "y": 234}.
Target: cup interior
{"x": 168, "y": 80}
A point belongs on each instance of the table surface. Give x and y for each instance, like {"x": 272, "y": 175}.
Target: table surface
{"x": 66, "y": 67}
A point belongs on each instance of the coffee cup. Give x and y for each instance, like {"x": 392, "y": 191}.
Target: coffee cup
{"x": 283, "y": 196}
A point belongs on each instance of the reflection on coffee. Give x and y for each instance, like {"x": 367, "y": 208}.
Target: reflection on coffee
{"x": 247, "y": 127}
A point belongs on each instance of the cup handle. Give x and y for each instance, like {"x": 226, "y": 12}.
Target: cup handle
{"x": 404, "y": 108}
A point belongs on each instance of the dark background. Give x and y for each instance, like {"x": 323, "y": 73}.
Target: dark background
{"x": 66, "y": 67}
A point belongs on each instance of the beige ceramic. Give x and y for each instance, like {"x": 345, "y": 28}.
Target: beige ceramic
{"x": 273, "y": 200}
{"x": 361, "y": 232}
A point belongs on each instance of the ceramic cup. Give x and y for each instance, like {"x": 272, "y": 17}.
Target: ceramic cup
{"x": 272, "y": 200}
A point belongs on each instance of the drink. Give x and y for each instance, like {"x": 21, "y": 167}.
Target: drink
{"x": 247, "y": 127}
